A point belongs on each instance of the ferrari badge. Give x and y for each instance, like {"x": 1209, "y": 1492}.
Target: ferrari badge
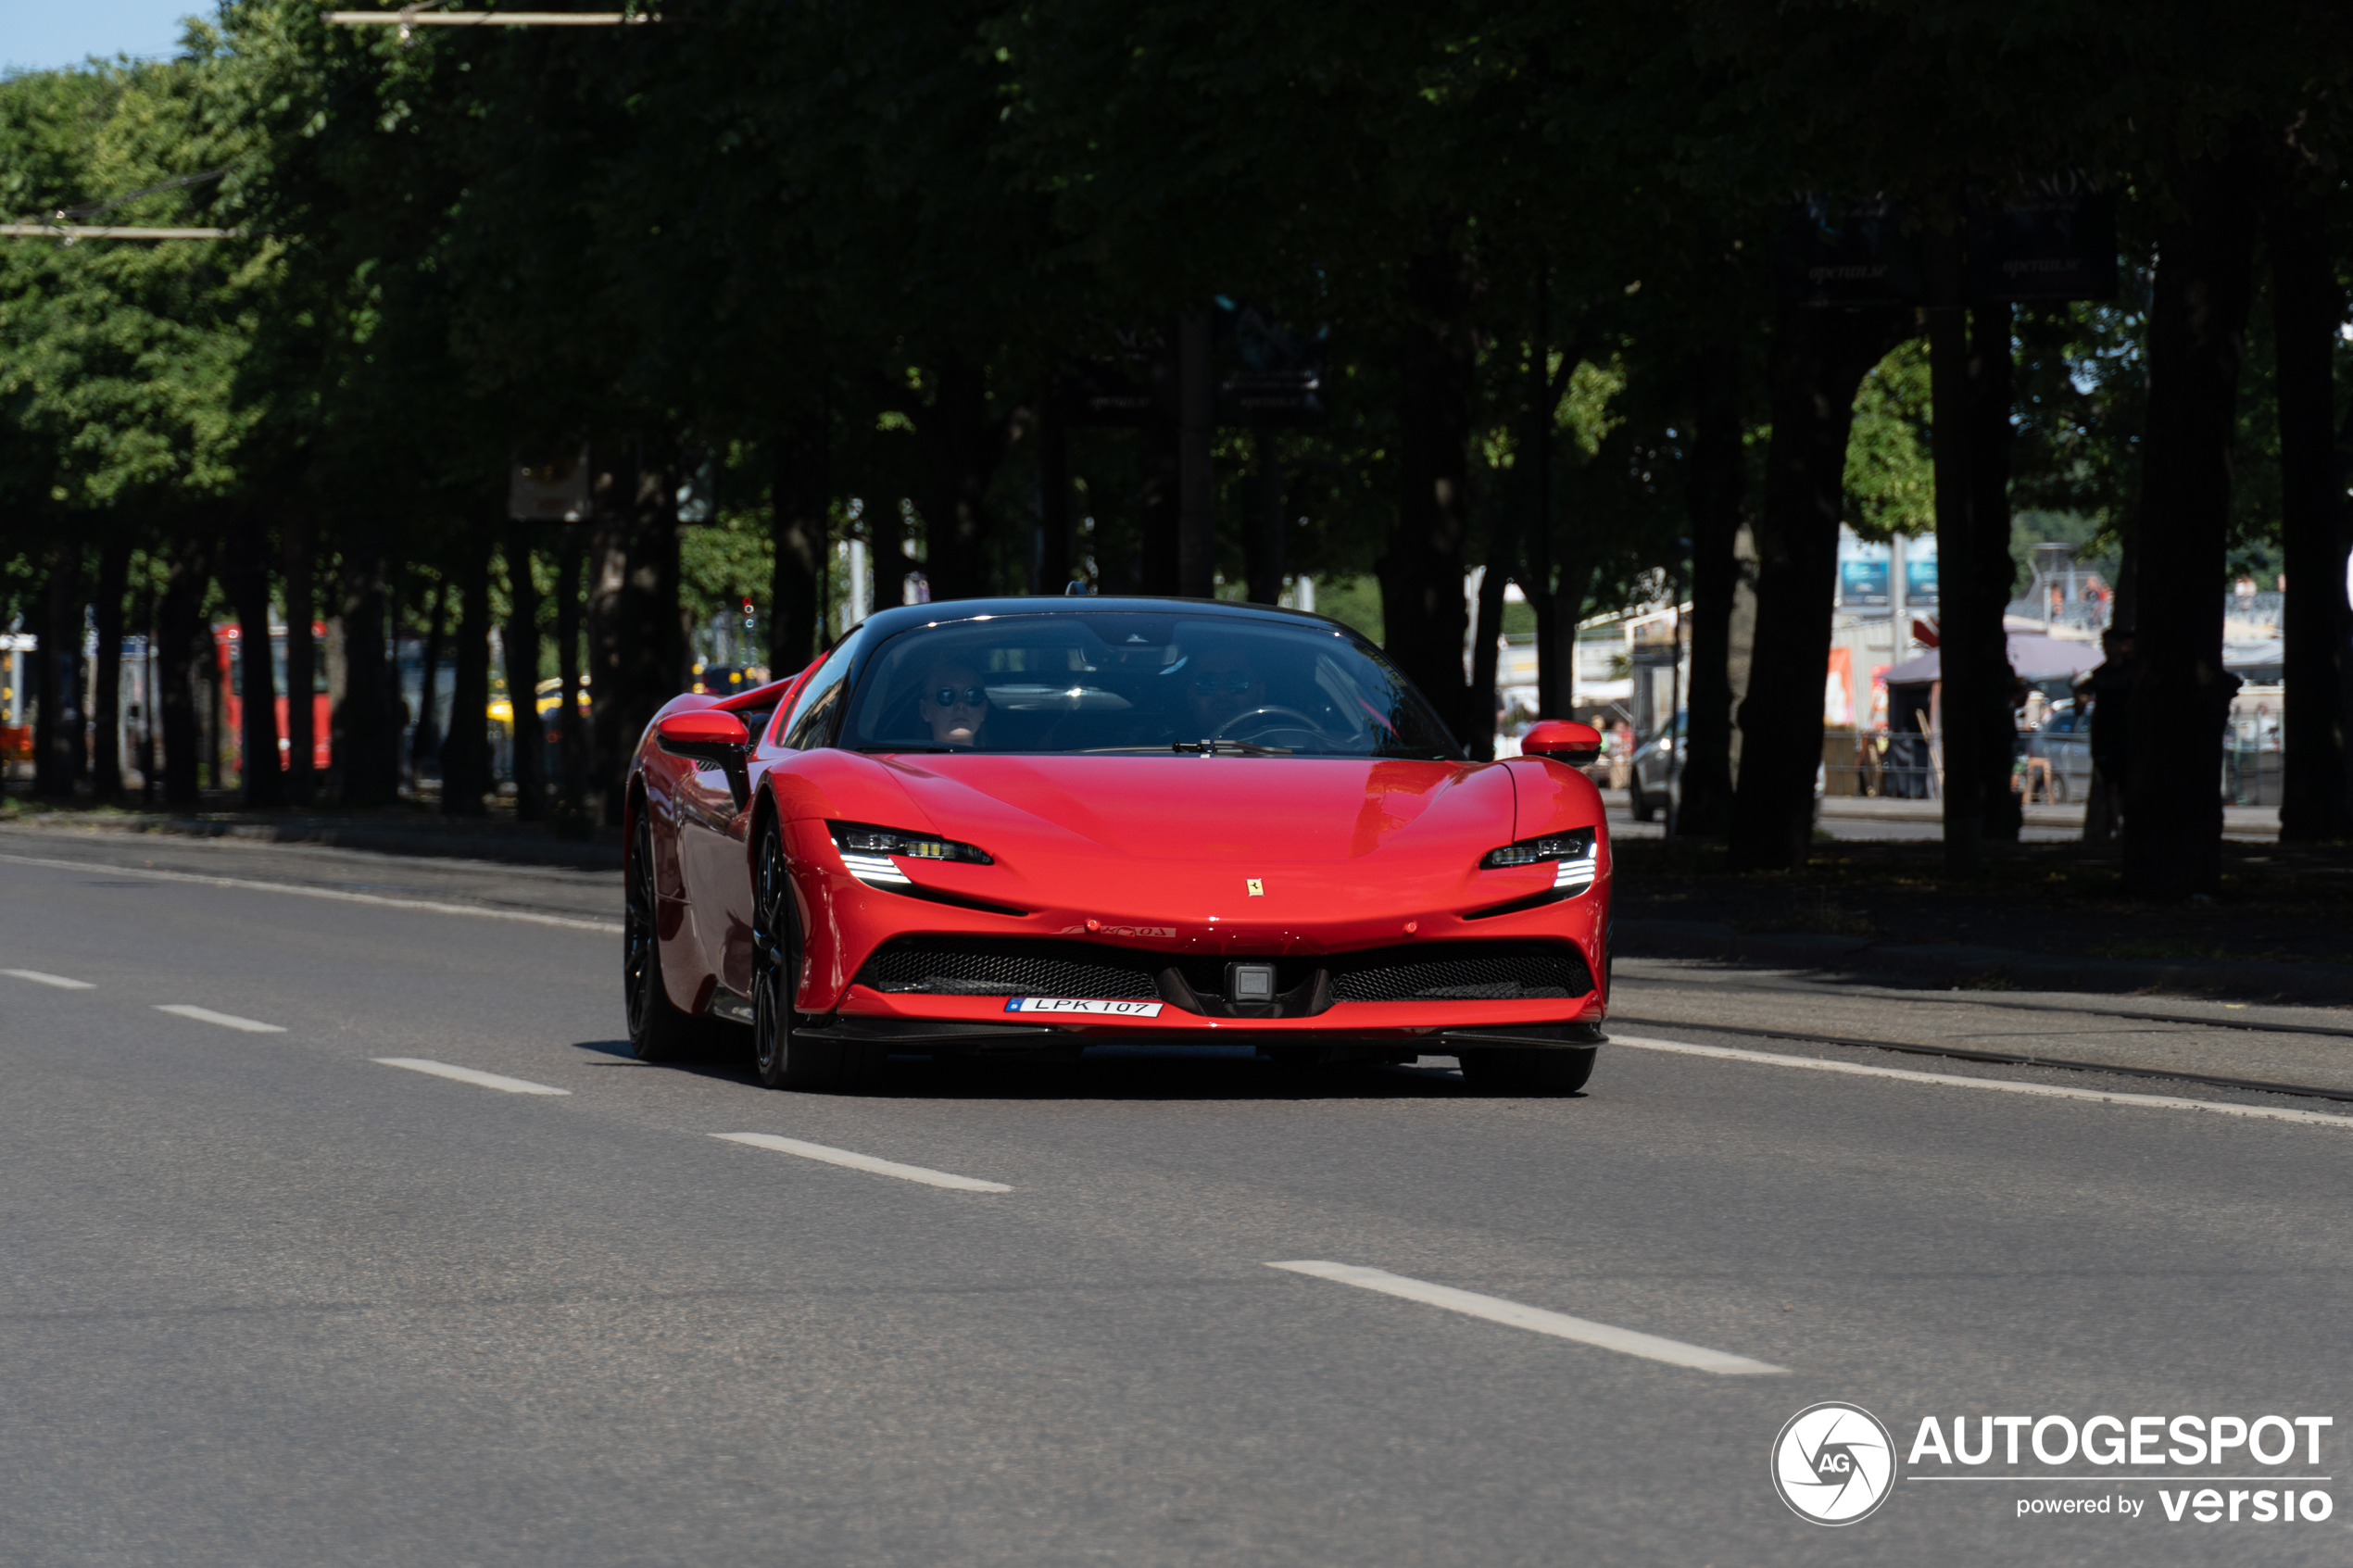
{"x": 1257, "y": 888}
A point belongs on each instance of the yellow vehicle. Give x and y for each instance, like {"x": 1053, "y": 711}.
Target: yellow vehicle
{"x": 545, "y": 697}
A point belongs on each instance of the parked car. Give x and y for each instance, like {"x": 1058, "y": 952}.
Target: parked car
{"x": 1657, "y": 781}
{"x": 2065, "y": 741}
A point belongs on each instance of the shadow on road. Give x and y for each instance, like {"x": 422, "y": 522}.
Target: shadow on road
{"x": 1121, "y": 1072}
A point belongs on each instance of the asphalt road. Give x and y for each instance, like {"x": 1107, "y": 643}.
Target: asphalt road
{"x": 272, "y": 1300}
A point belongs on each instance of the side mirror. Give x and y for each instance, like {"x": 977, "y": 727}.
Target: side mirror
{"x": 1562, "y": 740}
{"x": 709, "y": 735}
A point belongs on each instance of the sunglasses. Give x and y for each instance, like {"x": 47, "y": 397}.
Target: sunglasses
{"x": 971, "y": 696}
{"x": 1207, "y": 681}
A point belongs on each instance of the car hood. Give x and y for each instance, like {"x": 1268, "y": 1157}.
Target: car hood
{"x": 1258, "y": 810}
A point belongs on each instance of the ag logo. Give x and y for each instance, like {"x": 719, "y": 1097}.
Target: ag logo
{"x": 1834, "y": 1463}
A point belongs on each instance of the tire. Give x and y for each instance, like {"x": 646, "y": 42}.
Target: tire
{"x": 1505, "y": 1071}
{"x": 2056, "y": 795}
{"x": 659, "y": 1030}
{"x": 783, "y": 1055}
{"x": 1645, "y": 807}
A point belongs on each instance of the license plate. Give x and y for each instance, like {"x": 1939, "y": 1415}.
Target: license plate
{"x": 1081, "y": 1004}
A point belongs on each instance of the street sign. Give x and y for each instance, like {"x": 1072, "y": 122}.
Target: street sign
{"x": 2058, "y": 244}
{"x": 1132, "y": 386}
{"x": 555, "y": 490}
{"x": 1266, "y": 373}
{"x": 1845, "y": 253}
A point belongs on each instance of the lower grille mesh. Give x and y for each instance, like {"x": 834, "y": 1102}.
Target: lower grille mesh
{"x": 1430, "y": 972}
{"x": 1461, "y": 973}
{"x": 970, "y": 968}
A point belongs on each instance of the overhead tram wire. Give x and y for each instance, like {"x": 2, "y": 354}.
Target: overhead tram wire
{"x": 57, "y": 227}
{"x": 410, "y": 17}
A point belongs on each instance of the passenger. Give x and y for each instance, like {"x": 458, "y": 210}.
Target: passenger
{"x": 955, "y": 704}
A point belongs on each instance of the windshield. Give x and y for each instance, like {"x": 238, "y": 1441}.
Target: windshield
{"x": 1122, "y": 680}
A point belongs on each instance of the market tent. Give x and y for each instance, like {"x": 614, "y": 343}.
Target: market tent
{"x": 2034, "y": 657}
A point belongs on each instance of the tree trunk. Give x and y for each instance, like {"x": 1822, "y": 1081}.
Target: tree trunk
{"x": 58, "y": 720}
{"x": 300, "y": 543}
{"x": 1268, "y": 539}
{"x": 1970, "y": 395}
{"x": 248, "y": 585}
{"x": 653, "y": 655}
{"x": 521, "y": 642}
{"x": 114, "y": 571}
{"x": 1487, "y": 631}
{"x": 465, "y": 751}
{"x": 615, "y": 495}
{"x": 1056, "y": 555}
{"x": 1197, "y": 429}
{"x": 2181, "y": 700}
{"x": 425, "y": 742}
{"x": 1157, "y": 459}
{"x": 1994, "y": 576}
{"x": 2307, "y": 305}
{"x": 799, "y": 491}
{"x": 959, "y": 449}
{"x": 572, "y": 730}
{"x": 180, "y": 624}
{"x": 1715, "y": 495}
{"x": 1421, "y": 574}
{"x": 1820, "y": 357}
{"x": 366, "y": 728}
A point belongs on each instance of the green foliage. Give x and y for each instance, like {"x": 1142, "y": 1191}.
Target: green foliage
{"x": 1891, "y": 481}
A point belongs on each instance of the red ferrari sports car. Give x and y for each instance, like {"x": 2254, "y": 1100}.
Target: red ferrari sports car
{"x": 1040, "y": 824}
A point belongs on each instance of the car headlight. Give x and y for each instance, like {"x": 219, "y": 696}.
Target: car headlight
{"x": 868, "y": 851}
{"x": 1574, "y": 853}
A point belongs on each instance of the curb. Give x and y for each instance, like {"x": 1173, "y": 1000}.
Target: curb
{"x": 385, "y": 840}
{"x": 1962, "y": 965}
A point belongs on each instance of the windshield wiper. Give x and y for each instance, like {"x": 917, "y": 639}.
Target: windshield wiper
{"x": 1190, "y": 748}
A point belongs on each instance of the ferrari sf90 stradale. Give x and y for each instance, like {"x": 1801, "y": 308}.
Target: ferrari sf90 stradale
{"x": 1008, "y": 826}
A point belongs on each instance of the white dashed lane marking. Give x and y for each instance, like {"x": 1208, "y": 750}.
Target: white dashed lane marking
{"x": 469, "y": 1075}
{"x": 226, "y": 1020}
{"x": 1560, "y": 1326}
{"x": 861, "y": 1162}
{"x": 59, "y": 980}
{"x": 2000, "y": 1086}
{"x": 569, "y": 923}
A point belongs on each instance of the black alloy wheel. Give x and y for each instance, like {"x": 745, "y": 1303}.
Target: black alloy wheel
{"x": 784, "y": 1056}
{"x": 775, "y": 966}
{"x": 658, "y": 1031}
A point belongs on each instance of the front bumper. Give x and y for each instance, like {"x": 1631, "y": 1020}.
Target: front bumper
{"x": 1186, "y": 915}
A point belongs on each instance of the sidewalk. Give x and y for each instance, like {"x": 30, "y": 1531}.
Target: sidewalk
{"x": 1974, "y": 967}
{"x": 396, "y": 830}
{"x": 2238, "y": 821}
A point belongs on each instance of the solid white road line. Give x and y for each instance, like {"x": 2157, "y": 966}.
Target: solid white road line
{"x": 226, "y": 1020}
{"x": 861, "y": 1162}
{"x": 59, "y": 980}
{"x": 2002, "y": 1085}
{"x": 468, "y": 1076}
{"x": 569, "y": 923}
{"x": 1495, "y": 1309}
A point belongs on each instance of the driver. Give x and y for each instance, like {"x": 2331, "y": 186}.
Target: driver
{"x": 955, "y": 704}
{"x": 1221, "y": 684}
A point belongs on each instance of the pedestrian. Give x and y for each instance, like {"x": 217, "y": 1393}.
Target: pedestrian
{"x": 2110, "y": 689}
